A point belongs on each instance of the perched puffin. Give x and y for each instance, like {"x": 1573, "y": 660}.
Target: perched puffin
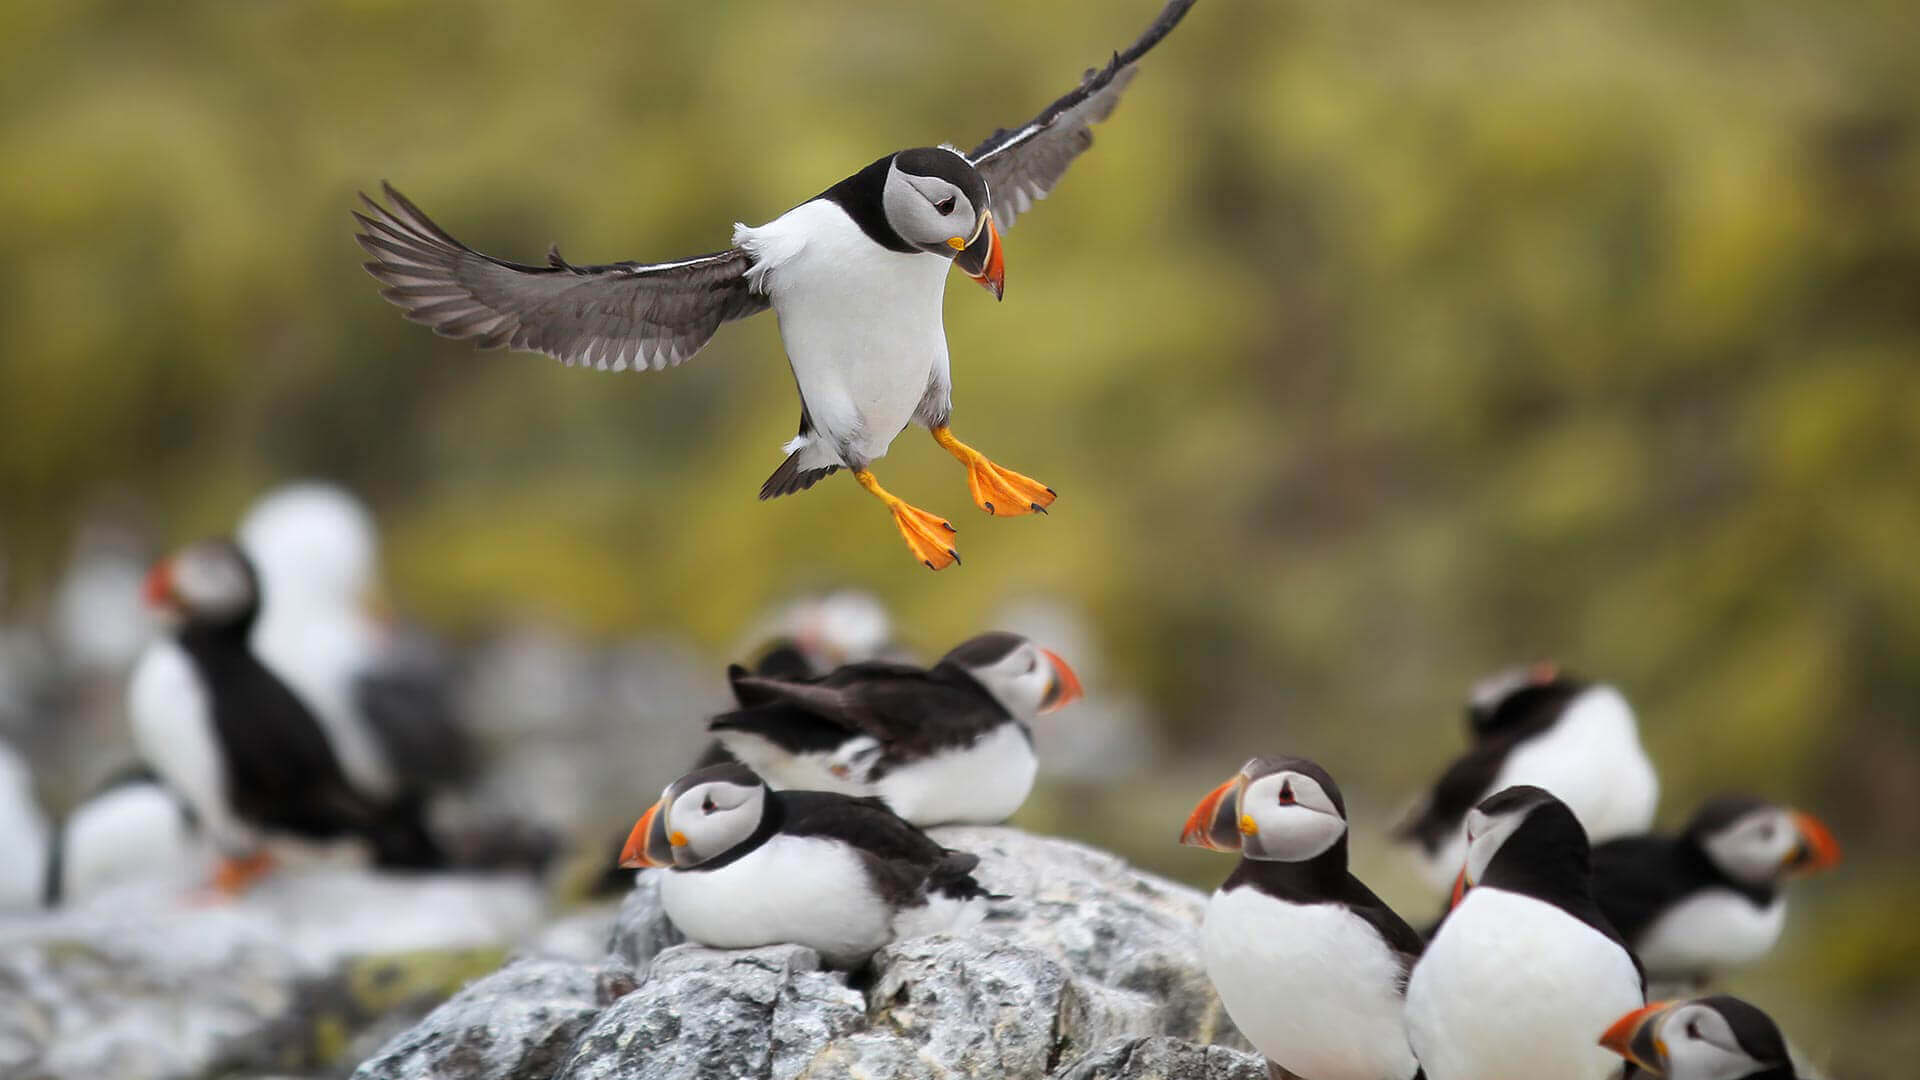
{"x": 1311, "y": 965}
{"x": 1709, "y": 1038}
{"x": 23, "y": 833}
{"x": 237, "y": 744}
{"x": 1526, "y": 969}
{"x": 1538, "y": 725}
{"x": 946, "y": 744}
{"x": 133, "y": 828}
{"x": 748, "y": 866}
{"x": 387, "y": 713}
{"x": 856, "y": 275}
{"x": 1708, "y": 900}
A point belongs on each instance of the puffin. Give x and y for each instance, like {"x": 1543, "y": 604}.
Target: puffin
{"x": 1720, "y": 1037}
{"x": 950, "y": 744}
{"x": 1525, "y": 971}
{"x": 235, "y": 741}
{"x": 856, "y": 276}
{"x": 1537, "y": 725}
{"x": 1709, "y": 899}
{"x": 745, "y": 865}
{"x": 1310, "y": 964}
{"x": 24, "y": 839}
{"x": 132, "y": 828}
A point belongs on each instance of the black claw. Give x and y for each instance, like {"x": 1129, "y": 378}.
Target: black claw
{"x": 1053, "y": 493}
{"x": 928, "y": 563}
{"x": 1038, "y": 509}
{"x": 956, "y": 557}
{"x": 988, "y": 506}
{"x": 948, "y": 525}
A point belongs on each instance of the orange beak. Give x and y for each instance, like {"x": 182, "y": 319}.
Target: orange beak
{"x": 982, "y": 260}
{"x": 1818, "y": 849}
{"x": 1066, "y": 685}
{"x": 157, "y": 592}
{"x": 1213, "y": 824}
{"x": 1459, "y": 889}
{"x": 645, "y": 848}
{"x": 1624, "y": 1037}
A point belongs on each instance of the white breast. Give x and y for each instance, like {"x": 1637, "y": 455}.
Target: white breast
{"x": 1592, "y": 760}
{"x": 130, "y": 833}
{"x": 862, "y": 324}
{"x": 23, "y": 834}
{"x": 799, "y": 890}
{"x": 979, "y": 784}
{"x": 1513, "y": 988}
{"x": 173, "y": 728}
{"x": 1312, "y": 986}
{"x": 1710, "y": 931}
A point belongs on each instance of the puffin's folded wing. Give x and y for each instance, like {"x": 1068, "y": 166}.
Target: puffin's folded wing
{"x": 624, "y": 315}
{"x": 1023, "y": 164}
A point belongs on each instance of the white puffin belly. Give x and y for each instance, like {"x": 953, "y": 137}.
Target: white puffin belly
{"x": 1312, "y": 986}
{"x": 173, "y": 727}
{"x": 982, "y": 783}
{"x": 135, "y": 832}
{"x": 1712, "y": 930}
{"x": 862, "y": 325}
{"x": 789, "y": 890}
{"x": 1513, "y": 988}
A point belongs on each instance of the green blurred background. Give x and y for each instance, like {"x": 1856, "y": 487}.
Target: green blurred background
{"x": 1375, "y": 345}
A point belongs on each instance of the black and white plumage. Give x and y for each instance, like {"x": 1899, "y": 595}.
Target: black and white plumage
{"x": 748, "y": 866}
{"x": 227, "y": 734}
{"x": 855, "y": 274}
{"x": 1541, "y": 726}
{"x": 1709, "y": 1038}
{"x": 133, "y": 830}
{"x": 948, "y": 744}
{"x": 1310, "y": 964}
{"x": 1525, "y": 971}
{"x": 1709, "y": 899}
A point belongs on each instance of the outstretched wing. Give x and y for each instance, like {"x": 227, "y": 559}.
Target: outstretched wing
{"x": 625, "y": 315}
{"x": 1023, "y": 165}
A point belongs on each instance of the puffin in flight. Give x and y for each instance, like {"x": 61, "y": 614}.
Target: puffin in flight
{"x": 950, "y": 744}
{"x": 1310, "y": 964}
{"x": 855, "y": 274}
{"x": 749, "y": 866}
{"x": 1711, "y": 1038}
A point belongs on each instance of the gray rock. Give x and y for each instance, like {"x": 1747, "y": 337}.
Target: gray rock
{"x": 1161, "y": 1058}
{"x": 642, "y": 930}
{"x": 516, "y": 1023}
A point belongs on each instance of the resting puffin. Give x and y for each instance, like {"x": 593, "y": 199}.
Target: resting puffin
{"x": 856, "y": 275}
{"x": 1710, "y": 1038}
{"x": 942, "y": 745}
{"x": 1697, "y": 904}
{"x": 1538, "y": 725}
{"x": 133, "y": 828}
{"x": 233, "y": 740}
{"x": 1311, "y": 965}
{"x": 1526, "y": 970}
{"x": 748, "y": 866}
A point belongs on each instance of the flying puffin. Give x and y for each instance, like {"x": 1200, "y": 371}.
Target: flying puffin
{"x": 1709, "y": 1038}
{"x": 1697, "y": 904}
{"x": 1526, "y": 970}
{"x": 948, "y": 744}
{"x": 856, "y": 275}
{"x": 1538, "y": 725}
{"x": 749, "y": 866}
{"x": 234, "y": 741}
{"x": 1311, "y": 965}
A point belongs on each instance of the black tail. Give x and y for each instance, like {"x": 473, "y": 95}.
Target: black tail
{"x": 401, "y": 841}
{"x": 790, "y": 478}
{"x": 953, "y": 878}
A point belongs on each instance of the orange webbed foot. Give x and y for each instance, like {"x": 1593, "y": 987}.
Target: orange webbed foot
{"x": 997, "y": 490}
{"x": 929, "y": 536}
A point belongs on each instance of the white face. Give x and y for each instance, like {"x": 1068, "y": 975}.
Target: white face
{"x": 708, "y": 820}
{"x": 929, "y": 211}
{"x": 1288, "y": 817}
{"x": 210, "y": 583}
{"x": 1485, "y": 834}
{"x": 1757, "y": 847}
{"x": 1699, "y": 1045}
{"x": 1019, "y": 681}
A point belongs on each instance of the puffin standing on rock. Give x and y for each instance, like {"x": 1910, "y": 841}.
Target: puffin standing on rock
{"x": 950, "y": 744}
{"x": 243, "y": 751}
{"x": 1525, "y": 972}
{"x": 856, "y": 275}
{"x": 1310, "y": 964}
{"x": 1710, "y": 1038}
{"x": 1705, "y": 901}
{"x": 748, "y": 866}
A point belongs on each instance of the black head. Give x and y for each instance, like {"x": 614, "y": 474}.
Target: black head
{"x": 210, "y": 585}
{"x": 931, "y": 200}
{"x": 1719, "y": 1037}
{"x": 1516, "y": 696}
{"x": 1524, "y": 839}
{"x": 1760, "y": 843}
{"x": 701, "y": 816}
{"x": 1279, "y": 809}
{"x": 1025, "y": 679}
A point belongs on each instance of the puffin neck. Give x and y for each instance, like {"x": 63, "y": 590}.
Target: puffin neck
{"x": 948, "y": 673}
{"x": 863, "y": 197}
{"x": 1315, "y": 879}
{"x": 773, "y": 814}
{"x": 1702, "y": 864}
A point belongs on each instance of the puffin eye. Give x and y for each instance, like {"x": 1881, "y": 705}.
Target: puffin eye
{"x": 945, "y": 206}
{"x": 1693, "y": 1029}
{"x": 706, "y": 805}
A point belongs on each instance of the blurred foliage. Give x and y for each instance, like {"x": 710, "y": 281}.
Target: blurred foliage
{"x": 1376, "y": 344}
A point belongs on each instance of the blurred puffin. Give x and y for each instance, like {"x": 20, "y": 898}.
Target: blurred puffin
{"x": 1525, "y": 970}
{"x": 1310, "y": 964}
{"x": 749, "y": 866}
{"x": 856, "y": 275}
{"x": 132, "y": 829}
{"x": 233, "y": 740}
{"x": 1705, "y": 901}
{"x": 23, "y": 833}
{"x": 1709, "y": 1038}
{"x": 1538, "y": 725}
{"x": 948, "y": 744}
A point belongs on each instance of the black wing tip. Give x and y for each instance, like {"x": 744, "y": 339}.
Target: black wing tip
{"x": 791, "y": 479}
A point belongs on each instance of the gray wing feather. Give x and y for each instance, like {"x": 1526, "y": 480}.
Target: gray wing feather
{"x": 1022, "y": 165}
{"x": 624, "y": 315}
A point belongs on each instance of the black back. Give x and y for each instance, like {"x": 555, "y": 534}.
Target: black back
{"x": 1637, "y": 878}
{"x": 1522, "y": 715}
{"x": 1547, "y": 857}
